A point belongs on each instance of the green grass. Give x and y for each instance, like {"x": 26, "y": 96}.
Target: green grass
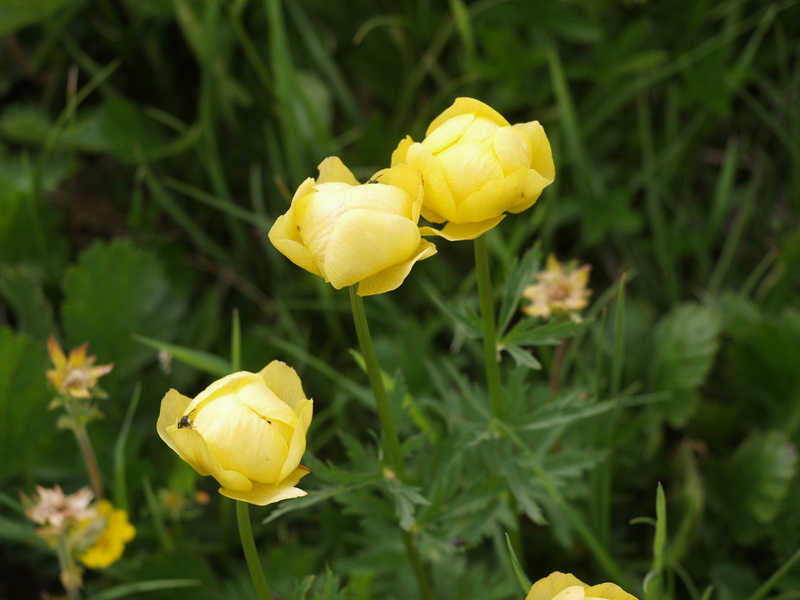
{"x": 147, "y": 147}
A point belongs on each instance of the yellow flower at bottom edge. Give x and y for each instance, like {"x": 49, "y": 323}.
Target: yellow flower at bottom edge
{"x": 565, "y": 586}
{"x": 247, "y": 430}
{"x": 110, "y": 545}
{"x": 477, "y": 167}
{"x": 350, "y": 233}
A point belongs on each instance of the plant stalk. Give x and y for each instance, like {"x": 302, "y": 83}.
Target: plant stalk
{"x": 488, "y": 326}
{"x": 250, "y": 551}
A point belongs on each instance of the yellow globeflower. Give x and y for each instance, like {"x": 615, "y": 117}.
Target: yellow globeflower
{"x": 109, "y": 546}
{"x": 75, "y": 375}
{"x": 477, "y": 167}
{"x": 349, "y": 233}
{"x": 565, "y": 586}
{"x": 247, "y": 430}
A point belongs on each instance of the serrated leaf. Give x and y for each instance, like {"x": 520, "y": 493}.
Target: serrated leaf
{"x": 686, "y": 342}
{"x": 761, "y": 470}
{"x": 523, "y": 357}
{"x": 114, "y": 290}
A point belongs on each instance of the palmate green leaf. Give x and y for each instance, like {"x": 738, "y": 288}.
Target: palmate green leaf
{"x": 113, "y": 291}
{"x": 686, "y": 342}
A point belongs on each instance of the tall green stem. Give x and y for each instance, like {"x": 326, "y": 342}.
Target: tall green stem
{"x": 250, "y": 552}
{"x": 390, "y": 437}
{"x": 488, "y": 325}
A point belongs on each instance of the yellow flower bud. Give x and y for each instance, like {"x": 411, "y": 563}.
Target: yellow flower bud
{"x": 349, "y": 233}
{"x": 565, "y": 586}
{"x": 476, "y": 167}
{"x": 247, "y": 430}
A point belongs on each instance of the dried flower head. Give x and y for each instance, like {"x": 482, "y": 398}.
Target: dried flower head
{"x": 56, "y": 510}
{"x": 75, "y": 374}
{"x": 561, "y": 289}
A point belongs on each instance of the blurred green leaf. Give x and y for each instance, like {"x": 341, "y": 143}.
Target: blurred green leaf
{"x": 16, "y": 14}
{"x": 23, "y": 292}
{"x": 686, "y": 343}
{"x": 115, "y": 290}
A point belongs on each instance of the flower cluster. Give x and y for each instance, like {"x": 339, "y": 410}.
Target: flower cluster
{"x": 94, "y": 533}
{"x": 470, "y": 170}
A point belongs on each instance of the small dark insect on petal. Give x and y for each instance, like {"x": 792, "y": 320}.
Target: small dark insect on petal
{"x": 184, "y": 422}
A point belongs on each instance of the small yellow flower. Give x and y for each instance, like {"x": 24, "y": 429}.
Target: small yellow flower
{"x": 565, "y": 586}
{"x": 349, "y": 233}
{"x": 75, "y": 375}
{"x": 477, "y": 167}
{"x": 110, "y": 544}
{"x": 561, "y": 289}
{"x": 247, "y": 430}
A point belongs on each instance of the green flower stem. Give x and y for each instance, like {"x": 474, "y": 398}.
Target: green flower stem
{"x": 390, "y": 437}
{"x": 70, "y": 572}
{"x": 89, "y": 458}
{"x": 489, "y": 328}
{"x": 250, "y": 552}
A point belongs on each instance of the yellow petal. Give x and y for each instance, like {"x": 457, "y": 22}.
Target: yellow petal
{"x": 378, "y": 197}
{"x": 609, "y": 591}
{"x": 190, "y": 446}
{"x": 448, "y": 133}
{"x": 57, "y": 356}
{"x": 399, "y": 154}
{"x": 391, "y": 278}
{"x": 574, "y": 592}
{"x": 541, "y": 153}
{"x": 438, "y": 199}
{"x": 285, "y": 236}
{"x": 284, "y": 381}
{"x": 493, "y": 199}
{"x": 220, "y": 386}
{"x": 263, "y": 494}
{"x": 241, "y": 440}
{"x": 258, "y": 397}
{"x": 365, "y": 242}
{"x": 173, "y": 407}
{"x": 333, "y": 169}
{"x": 513, "y": 148}
{"x": 467, "y": 168}
{"x": 550, "y": 586}
{"x": 468, "y": 105}
{"x": 407, "y": 178}
{"x": 454, "y": 232}
{"x": 297, "y": 445}
{"x": 532, "y": 188}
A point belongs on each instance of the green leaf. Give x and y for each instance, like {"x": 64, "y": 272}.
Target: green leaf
{"x": 15, "y": 14}
{"x": 23, "y": 292}
{"x": 531, "y": 332}
{"x": 199, "y": 359}
{"x": 687, "y": 340}
{"x": 129, "y": 589}
{"x": 523, "y": 357}
{"x": 27, "y": 425}
{"x": 113, "y": 291}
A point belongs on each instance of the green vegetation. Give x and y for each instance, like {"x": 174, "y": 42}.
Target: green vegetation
{"x": 147, "y": 146}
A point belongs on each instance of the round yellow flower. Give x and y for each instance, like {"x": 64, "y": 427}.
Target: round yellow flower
{"x": 109, "y": 546}
{"x": 349, "y": 233}
{"x": 477, "y": 167}
{"x": 247, "y": 430}
{"x": 565, "y": 586}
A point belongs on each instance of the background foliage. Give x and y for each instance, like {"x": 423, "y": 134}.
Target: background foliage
{"x": 145, "y": 149}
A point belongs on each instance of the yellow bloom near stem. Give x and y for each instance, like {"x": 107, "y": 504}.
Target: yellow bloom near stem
{"x": 247, "y": 430}
{"x": 477, "y": 167}
{"x": 75, "y": 374}
{"x": 561, "y": 289}
{"x": 350, "y": 233}
{"x": 565, "y": 586}
{"x": 109, "y": 546}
